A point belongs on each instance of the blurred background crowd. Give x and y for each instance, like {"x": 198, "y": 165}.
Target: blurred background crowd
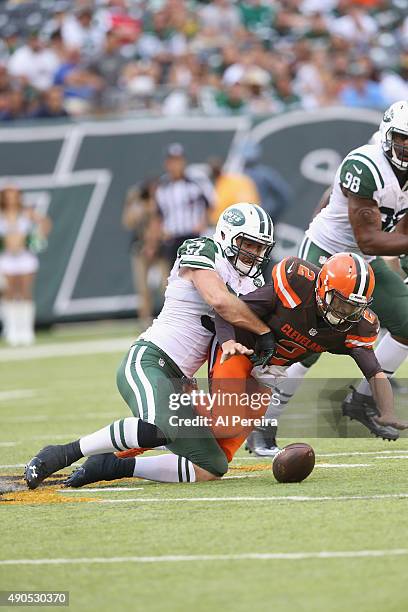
{"x": 175, "y": 57}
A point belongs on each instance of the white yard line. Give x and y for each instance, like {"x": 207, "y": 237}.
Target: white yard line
{"x": 343, "y": 465}
{"x": 17, "y": 394}
{"x": 100, "y": 490}
{"x": 270, "y": 498}
{"x": 66, "y": 349}
{"x": 291, "y": 556}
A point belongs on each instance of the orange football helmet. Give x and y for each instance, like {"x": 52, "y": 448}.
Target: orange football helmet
{"x": 344, "y": 288}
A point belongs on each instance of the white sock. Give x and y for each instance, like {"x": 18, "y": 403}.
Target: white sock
{"x": 165, "y": 468}
{"x": 390, "y": 354}
{"x": 11, "y": 322}
{"x": 6, "y": 306}
{"x": 118, "y": 436}
{"x": 286, "y": 388}
{"x": 27, "y": 322}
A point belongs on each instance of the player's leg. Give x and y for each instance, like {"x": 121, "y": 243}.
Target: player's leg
{"x": 264, "y": 443}
{"x": 390, "y": 303}
{"x": 146, "y": 380}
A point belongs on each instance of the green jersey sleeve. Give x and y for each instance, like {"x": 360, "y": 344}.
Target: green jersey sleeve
{"x": 359, "y": 175}
{"x": 198, "y": 253}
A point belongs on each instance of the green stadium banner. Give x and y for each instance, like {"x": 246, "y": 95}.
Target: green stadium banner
{"x": 79, "y": 173}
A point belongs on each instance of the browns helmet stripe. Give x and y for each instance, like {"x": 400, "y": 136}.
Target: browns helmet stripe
{"x": 363, "y": 276}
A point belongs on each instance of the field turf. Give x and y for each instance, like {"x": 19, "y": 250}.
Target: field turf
{"x": 338, "y": 541}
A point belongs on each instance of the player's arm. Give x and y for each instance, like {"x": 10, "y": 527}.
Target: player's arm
{"x": 365, "y": 219}
{"x": 232, "y": 339}
{"x": 324, "y": 200}
{"x": 380, "y": 386}
{"x": 361, "y": 182}
{"x": 383, "y": 395}
{"x": 214, "y": 292}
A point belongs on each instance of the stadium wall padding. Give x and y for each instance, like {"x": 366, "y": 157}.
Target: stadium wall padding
{"x": 79, "y": 172}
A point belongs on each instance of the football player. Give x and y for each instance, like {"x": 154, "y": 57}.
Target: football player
{"x": 310, "y": 311}
{"x": 203, "y": 279}
{"x": 365, "y": 213}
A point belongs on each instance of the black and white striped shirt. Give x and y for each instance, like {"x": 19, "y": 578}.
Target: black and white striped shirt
{"x": 181, "y": 204}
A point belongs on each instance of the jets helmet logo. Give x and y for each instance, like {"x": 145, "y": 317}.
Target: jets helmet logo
{"x": 234, "y": 216}
{"x": 388, "y": 115}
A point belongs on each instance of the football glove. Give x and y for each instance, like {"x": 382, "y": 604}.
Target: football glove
{"x": 264, "y": 349}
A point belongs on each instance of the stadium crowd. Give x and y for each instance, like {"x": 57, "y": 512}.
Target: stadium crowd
{"x": 172, "y": 57}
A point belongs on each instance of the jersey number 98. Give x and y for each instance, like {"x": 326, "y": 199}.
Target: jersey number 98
{"x": 351, "y": 182}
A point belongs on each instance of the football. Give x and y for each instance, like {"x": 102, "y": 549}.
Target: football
{"x": 294, "y": 463}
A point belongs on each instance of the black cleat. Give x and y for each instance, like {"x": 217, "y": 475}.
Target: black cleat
{"x": 100, "y": 467}
{"x": 49, "y": 460}
{"x": 262, "y": 442}
{"x": 363, "y": 408}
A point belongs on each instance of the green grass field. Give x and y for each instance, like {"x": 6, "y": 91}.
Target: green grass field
{"x": 196, "y": 547}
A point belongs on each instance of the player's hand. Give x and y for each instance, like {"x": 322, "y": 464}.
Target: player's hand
{"x": 264, "y": 349}
{"x": 391, "y": 421}
{"x": 231, "y": 348}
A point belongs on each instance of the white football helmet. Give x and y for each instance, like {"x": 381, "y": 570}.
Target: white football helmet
{"x": 395, "y": 121}
{"x": 249, "y": 222}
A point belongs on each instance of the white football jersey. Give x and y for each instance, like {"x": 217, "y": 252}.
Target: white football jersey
{"x": 367, "y": 173}
{"x": 178, "y": 330}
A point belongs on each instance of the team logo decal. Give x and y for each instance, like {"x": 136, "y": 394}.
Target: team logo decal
{"x": 312, "y": 331}
{"x": 234, "y": 216}
{"x": 257, "y": 282}
{"x": 161, "y": 362}
{"x": 388, "y": 115}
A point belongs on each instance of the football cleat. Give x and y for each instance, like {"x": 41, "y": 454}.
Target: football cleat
{"x": 262, "y": 443}
{"x": 49, "y": 460}
{"x": 363, "y": 408}
{"x": 100, "y": 467}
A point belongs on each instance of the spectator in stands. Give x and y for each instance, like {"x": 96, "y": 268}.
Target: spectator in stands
{"x": 141, "y": 217}
{"x": 361, "y": 91}
{"x": 13, "y": 105}
{"x": 34, "y": 64}
{"x": 202, "y": 56}
{"x": 182, "y": 202}
{"x": 274, "y": 192}
{"x": 51, "y": 105}
{"x": 79, "y": 31}
{"x": 19, "y": 226}
{"x": 108, "y": 66}
{"x": 81, "y": 86}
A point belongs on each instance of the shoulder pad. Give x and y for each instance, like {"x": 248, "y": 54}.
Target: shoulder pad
{"x": 360, "y": 174}
{"x": 198, "y": 253}
{"x": 364, "y": 333}
{"x": 283, "y": 277}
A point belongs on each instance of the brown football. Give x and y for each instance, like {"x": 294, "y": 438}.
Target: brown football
{"x": 294, "y": 463}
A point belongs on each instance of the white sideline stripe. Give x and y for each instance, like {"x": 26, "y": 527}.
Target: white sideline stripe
{"x": 16, "y": 394}
{"x": 393, "y": 457}
{"x": 62, "y": 417}
{"x": 319, "y": 455}
{"x": 11, "y": 465}
{"x": 271, "y": 498}
{"x": 343, "y": 465}
{"x": 33, "y": 418}
{"x": 8, "y": 443}
{"x": 100, "y": 489}
{"x": 356, "y": 453}
{"x": 66, "y": 349}
{"x": 294, "y": 556}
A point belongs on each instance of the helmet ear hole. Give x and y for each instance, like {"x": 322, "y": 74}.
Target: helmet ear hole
{"x": 223, "y": 235}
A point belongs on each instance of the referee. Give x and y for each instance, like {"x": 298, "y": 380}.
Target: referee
{"x": 182, "y": 202}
